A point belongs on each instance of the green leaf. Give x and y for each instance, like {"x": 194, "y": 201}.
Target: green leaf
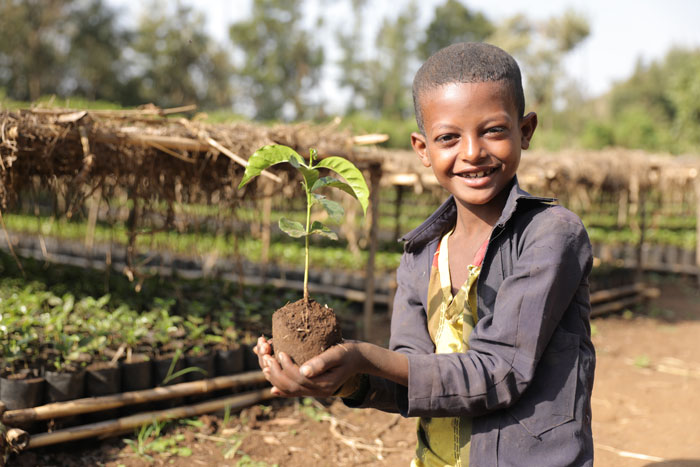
{"x": 292, "y": 228}
{"x": 310, "y": 175}
{"x": 265, "y": 157}
{"x": 335, "y": 183}
{"x": 335, "y": 210}
{"x": 352, "y": 175}
{"x": 319, "y": 228}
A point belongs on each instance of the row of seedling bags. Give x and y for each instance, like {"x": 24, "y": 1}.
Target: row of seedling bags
{"x": 54, "y": 349}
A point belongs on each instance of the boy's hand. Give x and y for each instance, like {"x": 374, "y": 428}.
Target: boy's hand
{"x": 321, "y": 376}
{"x": 261, "y": 349}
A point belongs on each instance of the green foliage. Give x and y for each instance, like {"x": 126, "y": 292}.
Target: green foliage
{"x": 390, "y": 73}
{"x": 39, "y": 318}
{"x": 313, "y": 409}
{"x": 62, "y": 47}
{"x": 178, "y": 62}
{"x": 635, "y": 128}
{"x": 151, "y": 439}
{"x": 657, "y": 107}
{"x": 684, "y": 93}
{"x": 353, "y": 76}
{"x": 282, "y": 60}
{"x": 453, "y": 22}
{"x": 642, "y": 361}
{"x": 354, "y": 185}
{"x": 597, "y": 135}
{"x": 28, "y": 47}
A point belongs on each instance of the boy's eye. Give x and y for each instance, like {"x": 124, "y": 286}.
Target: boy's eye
{"x": 445, "y": 138}
{"x": 496, "y": 130}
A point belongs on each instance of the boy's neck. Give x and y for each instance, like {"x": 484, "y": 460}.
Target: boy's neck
{"x": 473, "y": 220}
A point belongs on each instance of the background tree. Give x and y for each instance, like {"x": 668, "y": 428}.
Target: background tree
{"x": 94, "y": 65}
{"x": 31, "y": 35}
{"x": 453, "y": 22}
{"x": 391, "y": 71}
{"x": 353, "y": 64}
{"x": 540, "y": 48}
{"x": 657, "y": 108}
{"x": 61, "y": 47}
{"x": 177, "y": 63}
{"x": 281, "y": 60}
{"x": 684, "y": 93}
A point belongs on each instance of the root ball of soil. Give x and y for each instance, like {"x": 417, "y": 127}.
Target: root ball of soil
{"x": 303, "y": 330}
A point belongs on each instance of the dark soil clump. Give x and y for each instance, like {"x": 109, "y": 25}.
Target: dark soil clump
{"x": 303, "y": 331}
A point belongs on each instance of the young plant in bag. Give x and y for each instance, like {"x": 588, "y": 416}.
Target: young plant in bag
{"x": 304, "y": 329}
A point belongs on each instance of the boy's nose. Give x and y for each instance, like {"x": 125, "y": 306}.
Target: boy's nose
{"x": 471, "y": 149}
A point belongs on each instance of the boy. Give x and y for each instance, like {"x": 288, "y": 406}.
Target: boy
{"x": 490, "y": 344}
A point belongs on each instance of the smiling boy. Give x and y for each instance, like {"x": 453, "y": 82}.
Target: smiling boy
{"x": 490, "y": 337}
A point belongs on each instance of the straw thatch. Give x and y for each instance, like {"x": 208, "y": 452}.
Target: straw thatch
{"x": 150, "y": 156}
{"x": 174, "y": 160}
{"x": 572, "y": 172}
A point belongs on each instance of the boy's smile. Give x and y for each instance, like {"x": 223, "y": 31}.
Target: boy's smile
{"x": 473, "y": 138}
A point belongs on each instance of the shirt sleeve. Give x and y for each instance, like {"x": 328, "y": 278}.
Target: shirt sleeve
{"x": 409, "y": 335}
{"x": 506, "y": 345}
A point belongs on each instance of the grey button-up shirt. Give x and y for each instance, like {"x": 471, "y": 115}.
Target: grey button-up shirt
{"x": 528, "y": 374}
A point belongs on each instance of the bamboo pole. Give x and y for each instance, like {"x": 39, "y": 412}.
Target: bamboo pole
{"x": 368, "y": 311}
{"x": 118, "y": 113}
{"x": 609, "y": 294}
{"x": 215, "y": 144}
{"x": 373, "y": 138}
{"x": 125, "y": 424}
{"x": 616, "y": 305}
{"x": 17, "y": 440}
{"x": 621, "y": 303}
{"x": 95, "y": 404}
{"x": 177, "y": 143}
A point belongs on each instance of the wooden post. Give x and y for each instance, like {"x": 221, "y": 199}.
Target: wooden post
{"x": 92, "y": 219}
{"x": 397, "y": 211}
{"x": 697, "y": 227}
{"x": 375, "y": 177}
{"x": 266, "y": 228}
{"x": 639, "y": 273}
{"x": 622, "y": 207}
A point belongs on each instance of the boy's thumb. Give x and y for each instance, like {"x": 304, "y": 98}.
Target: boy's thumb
{"x": 306, "y": 370}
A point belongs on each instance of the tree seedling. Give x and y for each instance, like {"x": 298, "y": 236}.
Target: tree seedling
{"x": 303, "y": 341}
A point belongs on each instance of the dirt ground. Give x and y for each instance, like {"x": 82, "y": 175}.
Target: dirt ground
{"x": 646, "y": 411}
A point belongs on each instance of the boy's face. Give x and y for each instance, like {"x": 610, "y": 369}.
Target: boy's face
{"x": 473, "y": 138}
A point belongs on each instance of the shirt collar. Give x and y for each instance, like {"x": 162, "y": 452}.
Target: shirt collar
{"x": 445, "y": 216}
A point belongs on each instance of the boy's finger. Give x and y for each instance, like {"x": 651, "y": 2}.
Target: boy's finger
{"x": 279, "y": 378}
{"x": 322, "y": 363}
{"x": 292, "y": 371}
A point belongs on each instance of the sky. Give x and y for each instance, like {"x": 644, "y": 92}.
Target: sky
{"x": 622, "y": 31}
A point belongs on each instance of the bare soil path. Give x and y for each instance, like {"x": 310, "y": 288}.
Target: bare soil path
{"x": 646, "y": 411}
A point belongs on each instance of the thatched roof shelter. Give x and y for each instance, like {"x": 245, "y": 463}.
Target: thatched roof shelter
{"x": 175, "y": 159}
{"x": 152, "y": 156}
{"x": 564, "y": 173}
{"x": 148, "y": 155}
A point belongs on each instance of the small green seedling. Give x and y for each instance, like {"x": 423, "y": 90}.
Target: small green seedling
{"x": 354, "y": 185}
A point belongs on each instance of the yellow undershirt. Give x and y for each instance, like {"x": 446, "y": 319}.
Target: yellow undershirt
{"x": 444, "y": 441}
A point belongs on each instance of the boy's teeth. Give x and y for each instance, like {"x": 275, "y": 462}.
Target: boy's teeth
{"x": 476, "y": 175}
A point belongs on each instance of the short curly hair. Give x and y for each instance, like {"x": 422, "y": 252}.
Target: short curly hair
{"x": 468, "y": 62}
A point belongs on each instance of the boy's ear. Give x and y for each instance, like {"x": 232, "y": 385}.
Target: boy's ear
{"x": 527, "y": 129}
{"x": 420, "y": 146}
